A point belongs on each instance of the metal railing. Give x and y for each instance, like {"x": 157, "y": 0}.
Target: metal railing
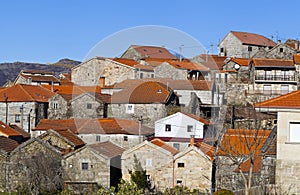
{"x": 276, "y": 77}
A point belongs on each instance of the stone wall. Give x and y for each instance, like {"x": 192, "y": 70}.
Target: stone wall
{"x": 166, "y": 70}
{"x": 86, "y": 106}
{"x": 59, "y": 112}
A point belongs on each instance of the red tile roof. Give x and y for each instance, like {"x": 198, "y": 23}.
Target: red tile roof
{"x": 296, "y": 59}
{"x": 253, "y": 39}
{"x": 147, "y": 92}
{"x": 7, "y": 131}
{"x": 21, "y": 131}
{"x": 241, "y": 61}
{"x": 213, "y": 62}
{"x": 202, "y": 120}
{"x": 42, "y": 72}
{"x": 41, "y": 78}
{"x": 107, "y": 149}
{"x": 69, "y": 135}
{"x": 95, "y": 126}
{"x": 273, "y": 62}
{"x": 188, "y": 65}
{"x": 165, "y": 146}
{"x": 235, "y": 142}
{"x": 72, "y": 89}
{"x": 126, "y": 61}
{"x": 7, "y": 145}
{"x": 206, "y": 149}
{"x": 245, "y": 167}
{"x": 290, "y": 100}
{"x": 25, "y": 93}
{"x": 152, "y": 51}
{"x": 158, "y": 61}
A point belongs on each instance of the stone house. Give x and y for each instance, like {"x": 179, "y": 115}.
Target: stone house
{"x": 138, "y": 52}
{"x": 235, "y": 70}
{"x": 104, "y": 71}
{"x": 182, "y": 70}
{"x": 286, "y": 107}
{"x": 166, "y": 168}
{"x": 146, "y": 102}
{"x": 96, "y": 163}
{"x": 272, "y": 77}
{"x": 243, "y": 44}
{"x": 78, "y": 102}
{"x": 124, "y": 133}
{"x": 280, "y": 51}
{"x": 36, "y": 77}
{"x": 177, "y": 129}
{"x": 7, "y": 145}
{"x": 156, "y": 157}
{"x": 240, "y": 153}
{"x": 24, "y": 105}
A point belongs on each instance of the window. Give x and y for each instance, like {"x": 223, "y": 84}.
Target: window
{"x": 221, "y": 49}
{"x": 168, "y": 127}
{"x": 280, "y": 50}
{"x": 84, "y": 166}
{"x": 148, "y": 177}
{"x": 249, "y": 48}
{"x": 141, "y": 75}
{"x": 176, "y": 145}
{"x": 267, "y": 89}
{"x": 129, "y": 108}
{"x": 190, "y": 128}
{"x": 180, "y": 165}
{"x": 98, "y": 138}
{"x": 152, "y": 75}
{"x": 17, "y": 118}
{"x": 89, "y": 106}
{"x": 125, "y": 138}
{"x": 55, "y": 105}
{"x": 178, "y": 181}
{"x": 148, "y": 162}
{"x": 294, "y": 132}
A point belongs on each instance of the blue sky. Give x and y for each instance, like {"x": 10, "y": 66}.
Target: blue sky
{"x": 46, "y": 31}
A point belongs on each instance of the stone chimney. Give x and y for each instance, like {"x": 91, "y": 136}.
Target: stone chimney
{"x": 192, "y": 140}
{"x": 102, "y": 81}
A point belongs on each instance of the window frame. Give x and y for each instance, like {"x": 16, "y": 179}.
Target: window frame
{"x": 84, "y": 166}
{"x": 189, "y": 128}
{"x": 89, "y": 106}
{"x": 17, "y": 118}
{"x": 168, "y": 128}
{"x": 180, "y": 165}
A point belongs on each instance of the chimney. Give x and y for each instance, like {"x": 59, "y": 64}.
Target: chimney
{"x": 102, "y": 81}
{"x": 192, "y": 140}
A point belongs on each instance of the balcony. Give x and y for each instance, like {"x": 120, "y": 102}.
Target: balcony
{"x": 268, "y": 92}
{"x": 279, "y": 78}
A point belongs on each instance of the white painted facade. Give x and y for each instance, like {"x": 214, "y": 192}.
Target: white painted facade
{"x": 178, "y": 125}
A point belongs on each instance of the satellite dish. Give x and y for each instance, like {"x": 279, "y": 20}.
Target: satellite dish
{"x": 236, "y": 67}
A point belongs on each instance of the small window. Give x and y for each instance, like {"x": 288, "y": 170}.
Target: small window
{"x": 17, "y": 118}
{"x": 222, "y": 49}
{"x": 84, "y": 166}
{"x": 89, "y": 106}
{"x": 148, "y": 162}
{"x": 180, "y": 165}
{"x": 125, "y": 138}
{"x": 280, "y": 50}
{"x": 190, "y": 128}
{"x": 141, "y": 75}
{"x": 168, "y": 127}
{"x": 148, "y": 177}
{"x": 249, "y": 48}
{"x": 98, "y": 138}
{"x": 176, "y": 145}
{"x": 129, "y": 108}
{"x": 55, "y": 105}
{"x": 152, "y": 75}
{"x": 178, "y": 181}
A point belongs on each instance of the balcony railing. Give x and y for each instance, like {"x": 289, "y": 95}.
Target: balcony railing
{"x": 268, "y": 92}
{"x": 276, "y": 77}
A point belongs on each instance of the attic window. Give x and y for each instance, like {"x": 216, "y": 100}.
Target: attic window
{"x": 159, "y": 91}
{"x": 222, "y": 49}
{"x": 125, "y": 138}
{"x": 168, "y": 127}
{"x": 189, "y": 128}
{"x": 280, "y": 50}
{"x": 17, "y": 118}
{"x": 160, "y": 51}
{"x": 249, "y": 48}
{"x": 89, "y": 106}
{"x": 84, "y": 166}
{"x": 180, "y": 165}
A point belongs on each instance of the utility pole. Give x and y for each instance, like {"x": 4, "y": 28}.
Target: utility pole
{"x": 29, "y": 121}
{"x": 6, "y": 107}
{"x": 140, "y": 127}
{"x": 22, "y": 113}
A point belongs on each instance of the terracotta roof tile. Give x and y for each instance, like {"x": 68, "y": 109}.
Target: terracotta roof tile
{"x": 290, "y": 100}
{"x": 152, "y": 52}
{"x": 95, "y": 126}
{"x": 165, "y": 146}
{"x": 7, "y": 144}
{"x": 21, "y": 131}
{"x": 206, "y": 149}
{"x": 273, "y": 62}
{"x": 241, "y": 61}
{"x": 7, "y": 131}
{"x": 107, "y": 149}
{"x": 235, "y": 141}
{"x": 42, "y": 72}
{"x": 253, "y": 39}
{"x": 69, "y": 135}
{"x": 297, "y": 59}
{"x": 147, "y": 92}
{"x": 189, "y": 65}
{"x": 41, "y": 78}
{"x": 245, "y": 167}
{"x": 126, "y": 61}
{"x": 25, "y": 93}
{"x": 213, "y": 62}
{"x": 72, "y": 89}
